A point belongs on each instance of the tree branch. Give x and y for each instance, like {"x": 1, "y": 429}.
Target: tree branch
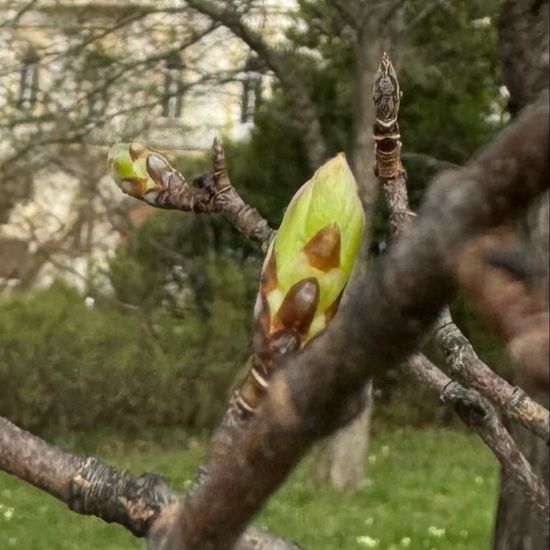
{"x": 477, "y": 413}
{"x": 91, "y": 487}
{"x": 210, "y": 193}
{"x": 509, "y": 293}
{"x": 310, "y": 391}
{"x": 460, "y": 355}
{"x": 304, "y": 108}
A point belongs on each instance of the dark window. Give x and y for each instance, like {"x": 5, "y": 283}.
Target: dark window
{"x": 172, "y": 101}
{"x": 28, "y": 84}
{"x": 252, "y": 88}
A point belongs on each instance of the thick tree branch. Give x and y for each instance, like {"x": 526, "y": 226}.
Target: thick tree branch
{"x": 307, "y": 395}
{"x": 91, "y": 487}
{"x": 510, "y": 295}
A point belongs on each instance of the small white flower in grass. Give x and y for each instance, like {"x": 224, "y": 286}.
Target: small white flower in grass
{"x": 8, "y": 514}
{"x": 369, "y": 521}
{"x": 367, "y": 541}
{"x": 406, "y": 542}
{"x": 436, "y": 531}
{"x": 89, "y": 302}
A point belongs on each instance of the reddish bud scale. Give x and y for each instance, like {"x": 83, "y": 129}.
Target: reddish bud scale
{"x": 287, "y": 329}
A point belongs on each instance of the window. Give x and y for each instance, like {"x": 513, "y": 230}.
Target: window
{"x": 172, "y": 101}
{"x": 97, "y": 105}
{"x": 28, "y": 84}
{"x": 252, "y": 88}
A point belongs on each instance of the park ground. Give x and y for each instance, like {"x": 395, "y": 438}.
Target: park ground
{"x": 426, "y": 489}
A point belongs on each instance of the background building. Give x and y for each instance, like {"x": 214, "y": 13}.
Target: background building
{"x": 77, "y": 76}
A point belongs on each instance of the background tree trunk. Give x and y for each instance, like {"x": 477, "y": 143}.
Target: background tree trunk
{"x": 523, "y": 31}
{"x": 342, "y": 462}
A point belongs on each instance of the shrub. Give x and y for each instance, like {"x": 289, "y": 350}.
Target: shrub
{"x": 64, "y": 366}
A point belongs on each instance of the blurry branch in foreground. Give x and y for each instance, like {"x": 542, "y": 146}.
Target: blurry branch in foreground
{"x": 315, "y": 391}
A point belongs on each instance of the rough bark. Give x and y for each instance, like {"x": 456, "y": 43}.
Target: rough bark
{"x": 479, "y": 415}
{"x": 523, "y": 30}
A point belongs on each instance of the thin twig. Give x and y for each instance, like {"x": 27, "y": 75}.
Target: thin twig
{"x": 461, "y": 358}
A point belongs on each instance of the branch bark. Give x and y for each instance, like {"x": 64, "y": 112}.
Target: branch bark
{"x": 478, "y": 414}
{"x": 90, "y": 486}
{"x": 304, "y": 108}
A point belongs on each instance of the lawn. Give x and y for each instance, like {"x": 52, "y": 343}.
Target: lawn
{"x": 426, "y": 489}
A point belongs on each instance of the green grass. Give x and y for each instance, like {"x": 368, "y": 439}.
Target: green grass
{"x": 426, "y": 489}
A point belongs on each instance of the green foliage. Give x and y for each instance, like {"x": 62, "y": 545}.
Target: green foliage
{"x": 164, "y": 349}
{"x": 448, "y": 68}
{"x": 426, "y": 489}
{"x": 64, "y": 366}
{"x": 270, "y": 168}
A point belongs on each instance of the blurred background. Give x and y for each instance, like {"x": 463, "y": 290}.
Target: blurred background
{"x": 122, "y": 327}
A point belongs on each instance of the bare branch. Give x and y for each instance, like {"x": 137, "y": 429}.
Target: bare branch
{"x": 461, "y": 357}
{"x": 91, "y": 487}
{"x": 304, "y": 108}
{"x": 211, "y": 193}
{"x": 473, "y": 409}
{"x": 479, "y": 414}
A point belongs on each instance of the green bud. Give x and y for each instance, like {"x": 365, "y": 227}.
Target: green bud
{"x": 312, "y": 256}
{"x": 132, "y": 167}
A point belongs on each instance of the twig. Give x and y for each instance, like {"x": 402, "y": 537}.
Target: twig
{"x": 461, "y": 358}
{"x": 480, "y": 415}
{"x": 210, "y": 193}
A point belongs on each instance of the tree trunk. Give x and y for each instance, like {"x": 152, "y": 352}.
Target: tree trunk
{"x": 342, "y": 462}
{"x": 523, "y": 29}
